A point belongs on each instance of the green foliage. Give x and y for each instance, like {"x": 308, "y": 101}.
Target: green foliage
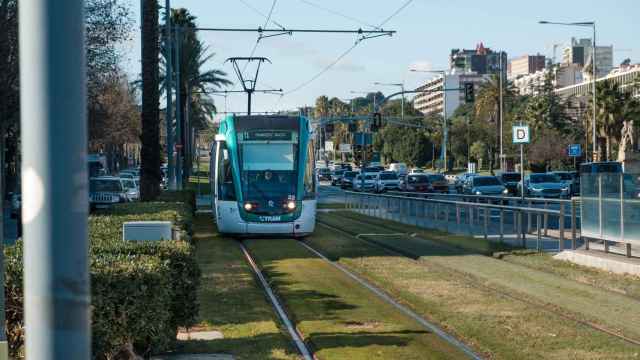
{"x": 142, "y": 292}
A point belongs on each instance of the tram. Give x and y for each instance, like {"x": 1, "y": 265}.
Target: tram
{"x": 262, "y": 176}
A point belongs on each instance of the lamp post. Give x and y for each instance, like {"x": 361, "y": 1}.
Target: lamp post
{"x": 445, "y": 125}
{"x": 591, "y": 24}
{"x": 401, "y": 86}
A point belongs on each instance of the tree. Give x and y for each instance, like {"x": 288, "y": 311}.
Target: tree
{"x": 614, "y": 107}
{"x": 546, "y": 110}
{"x": 487, "y": 109}
{"x": 150, "y": 176}
{"x": 195, "y": 81}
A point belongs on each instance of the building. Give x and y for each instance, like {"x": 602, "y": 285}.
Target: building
{"x": 625, "y": 76}
{"x": 579, "y": 52}
{"x": 525, "y": 65}
{"x": 480, "y": 61}
{"x": 431, "y": 101}
{"x": 563, "y": 75}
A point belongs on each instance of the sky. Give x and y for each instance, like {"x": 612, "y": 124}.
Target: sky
{"x": 427, "y": 30}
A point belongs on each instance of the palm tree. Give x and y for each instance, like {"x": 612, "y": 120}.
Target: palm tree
{"x": 487, "y": 106}
{"x": 150, "y": 176}
{"x": 194, "y": 82}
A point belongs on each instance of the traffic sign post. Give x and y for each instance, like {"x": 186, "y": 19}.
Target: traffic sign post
{"x": 574, "y": 151}
{"x": 521, "y": 136}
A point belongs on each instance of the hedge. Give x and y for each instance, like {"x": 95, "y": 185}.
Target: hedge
{"x": 142, "y": 292}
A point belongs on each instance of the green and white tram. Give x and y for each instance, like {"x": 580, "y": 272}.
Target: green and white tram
{"x": 262, "y": 176}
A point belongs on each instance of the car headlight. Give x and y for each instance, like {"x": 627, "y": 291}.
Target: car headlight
{"x": 536, "y": 189}
{"x": 505, "y": 191}
{"x": 566, "y": 188}
{"x": 478, "y": 193}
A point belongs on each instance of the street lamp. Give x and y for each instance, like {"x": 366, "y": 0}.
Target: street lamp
{"x": 591, "y": 24}
{"x": 401, "y": 85}
{"x": 445, "y": 130}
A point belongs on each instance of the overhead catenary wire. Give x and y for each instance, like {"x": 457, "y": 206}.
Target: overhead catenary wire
{"x": 255, "y": 46}
{"x": 251, "y": 7}
{"x": 343, "y": 55}
{"x": 320, "y": 7}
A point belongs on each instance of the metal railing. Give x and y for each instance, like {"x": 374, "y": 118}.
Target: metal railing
{"x": 468, "y": 217}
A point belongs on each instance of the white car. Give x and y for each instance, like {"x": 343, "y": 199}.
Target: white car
{"x": 399, "y": 168}
{"x": 133, "y": 192}
{"x": 416, "y": 171}
{"x": 387, "y": 180}
{"x": 369, "y": 182}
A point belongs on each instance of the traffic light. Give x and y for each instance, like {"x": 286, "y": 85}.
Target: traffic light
{"x": 376, "y": 123}
{"x": 469, "y": 94}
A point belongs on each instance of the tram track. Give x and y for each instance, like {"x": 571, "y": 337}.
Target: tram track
{"x": 467, "y": 278}
{"x": 298, "y": 336}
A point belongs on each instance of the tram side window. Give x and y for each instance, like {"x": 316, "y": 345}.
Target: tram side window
{"x": 226, "y": 190}
{"x": 309, "y": 176}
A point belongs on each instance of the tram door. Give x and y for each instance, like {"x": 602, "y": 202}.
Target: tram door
{"x": 225, "y": 201}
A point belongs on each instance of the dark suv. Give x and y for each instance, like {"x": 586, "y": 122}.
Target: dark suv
{"x": 510, "y": 180}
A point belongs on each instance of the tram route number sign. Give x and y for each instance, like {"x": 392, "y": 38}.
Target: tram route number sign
{"x": 521, "y": 134}
{"x": 574, "y": 150}
{"x": 270, "y": 135}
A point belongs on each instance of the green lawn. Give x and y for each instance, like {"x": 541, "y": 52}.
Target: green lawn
{"x": 232, "y": 302}
{"x": 453, "y": 287}
{"x": 339, "y": 318}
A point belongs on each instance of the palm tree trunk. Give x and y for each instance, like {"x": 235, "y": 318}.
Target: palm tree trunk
{"x": 150, "y": 170}
{"x": 607, "y": 155}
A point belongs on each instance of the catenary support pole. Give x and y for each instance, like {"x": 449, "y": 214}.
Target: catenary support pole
{"x": 179, "y": 142}
{"x": 168, "y": 86}
{"x": 54, "y": 179}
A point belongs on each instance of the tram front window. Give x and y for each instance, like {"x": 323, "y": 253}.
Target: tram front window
{"x": 268, "y": 173}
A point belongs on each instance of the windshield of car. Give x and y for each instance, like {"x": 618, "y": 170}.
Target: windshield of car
{"x": 417, "y": 179}
{"x": 128, "y": 184}
{"x": 564, "y": 176}
{"x": 436, "y": 177}
{"x": 366, "y": 177}
{"x": 350, "y": 174}
{"x": 388, "y": 176}
{"x": 373, "y": 169}
{"x": 543, "y": 178}
{"x": 104, "y": 185}
{"x": 486, "y": 181}
{"x": 511, "y": 177}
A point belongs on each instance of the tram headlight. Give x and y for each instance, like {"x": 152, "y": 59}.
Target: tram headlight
{"x": 291, "y": 205}
{"x": 248, "y": 206}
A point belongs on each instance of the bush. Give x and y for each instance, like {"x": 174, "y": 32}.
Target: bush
{"x": 130, "y": 302}
{"x": 141, "y": 291}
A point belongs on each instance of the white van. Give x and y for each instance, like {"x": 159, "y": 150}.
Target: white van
{"x": 399, "y": 168}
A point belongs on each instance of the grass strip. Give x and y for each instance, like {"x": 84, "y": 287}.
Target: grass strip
{"x": 232, "y": 302}
{"x": 612, "y": 311}
{"x": 497, "y": 325}
{"x": 339, "y": 318}
{"x": 622, "y": 284}
{"x": 330, "y": 206}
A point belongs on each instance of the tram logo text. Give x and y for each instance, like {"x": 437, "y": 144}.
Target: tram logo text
{"x": 270, "y": 218}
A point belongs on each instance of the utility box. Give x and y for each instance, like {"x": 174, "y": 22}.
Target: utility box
{"x": 147, "y": 231}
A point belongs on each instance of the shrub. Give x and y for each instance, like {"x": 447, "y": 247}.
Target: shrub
{"x": 130, "y": 302}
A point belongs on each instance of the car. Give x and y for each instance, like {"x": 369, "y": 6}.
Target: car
{"x": 462, "y": 180}
{"x": 568, "y": 178}
{"x": 416, "y": 183}
{"x": 126, "y": 175}
{"x": 416, "y": 171}
{"x": 545, "y": 185}
{"x": 347, "y": 179}
{"x": 366, "y": 182}
{"x": 324, "y": 174}
{"x": 399, "y": 168}
{"x": 485, "y": 185}
{"x": 336, "y": 177}
{"x": 105, "y": 191}
{"x": 511, "y": 181}
{"x": 387, "y": 180}
{"x": 131, "y": 186}
{"x": 373, "y": 170}
{"x": 438, "y": 183}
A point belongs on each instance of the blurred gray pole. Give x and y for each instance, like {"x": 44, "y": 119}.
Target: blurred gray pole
{"x": 4, "y": 346}
{"x": 179, "y": 144}
{"x": 54, "y": 179}
{"x": 169, "y": 111}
